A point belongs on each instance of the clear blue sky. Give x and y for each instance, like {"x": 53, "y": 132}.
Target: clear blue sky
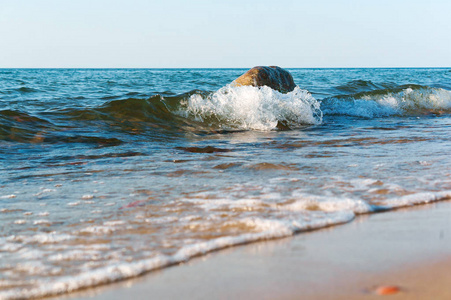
{"x": 226, "y": 33}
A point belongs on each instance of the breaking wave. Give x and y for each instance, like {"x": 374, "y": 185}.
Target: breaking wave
{"x": 410, "y": 100}
{"x": 252, "y": 108}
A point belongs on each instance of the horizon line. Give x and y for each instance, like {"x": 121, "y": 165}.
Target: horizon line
{"x": 200, "y": 68}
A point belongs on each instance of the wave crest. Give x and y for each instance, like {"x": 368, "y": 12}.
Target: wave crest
{"x": 252, "y": 108}
{"x": 403, "y": 101}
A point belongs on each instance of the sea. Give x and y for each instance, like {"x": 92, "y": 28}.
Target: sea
{"x": 107, "y": 174}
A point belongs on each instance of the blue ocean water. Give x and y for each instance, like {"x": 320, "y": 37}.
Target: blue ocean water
{"x": 110, "y": 173}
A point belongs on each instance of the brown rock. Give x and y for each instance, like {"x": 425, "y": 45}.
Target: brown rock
{"x": 275, "y": 77}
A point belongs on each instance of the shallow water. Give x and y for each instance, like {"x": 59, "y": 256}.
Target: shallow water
{"x": 106, "y": 174}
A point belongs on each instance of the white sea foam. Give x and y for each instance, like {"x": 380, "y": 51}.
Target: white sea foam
{"x": 255, "y": 108}
{"x": 295, "y": 217}
{"x": 210, "y": 204}
{"x": 417, "y": 198}
{"x": 161, "y": 220}
{"x": 114, "y": 223}
{"x": 262, "y": 108}
{"x": 6, "y": 246}
{"x": 407, "y": 101}
{"x": 77, "y": 255}
{"x": 322, "y": 203}
{"x": 329, "y": 204}
{"x": 99, "y": 230}
{"x": 41, "y": 222}
{"x": 41, "y": 238}
{"x": 269, "y": 229}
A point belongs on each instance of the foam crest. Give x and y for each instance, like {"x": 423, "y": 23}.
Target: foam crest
{"x": 417, "y": 198}
{"x": 266, "y": 229}
{"x": 41, "y": 238}
{"x": 408, "y": 101}
{"x": 329, "y": 204}
{"x": 253, "y": 108}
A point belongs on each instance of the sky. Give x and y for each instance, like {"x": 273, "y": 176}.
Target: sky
{"x": 224, "y": 33}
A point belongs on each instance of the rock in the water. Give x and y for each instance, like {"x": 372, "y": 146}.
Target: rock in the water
{"x": 275, "y": 77}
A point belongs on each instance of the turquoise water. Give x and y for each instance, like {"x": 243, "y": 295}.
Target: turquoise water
{"x": 106, "y": 174}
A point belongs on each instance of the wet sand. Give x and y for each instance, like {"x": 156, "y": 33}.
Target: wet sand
{"x": 409, "y": 248}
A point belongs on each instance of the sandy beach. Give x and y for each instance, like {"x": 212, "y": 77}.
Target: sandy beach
{"x": 408, "y": 248}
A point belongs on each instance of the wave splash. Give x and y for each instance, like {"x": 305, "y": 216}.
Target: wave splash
{"x": 407, "y": 100}
{"x": 253, "y": 108}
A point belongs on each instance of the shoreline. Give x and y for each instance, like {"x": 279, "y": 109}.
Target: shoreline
{"x": 409, "y": 248}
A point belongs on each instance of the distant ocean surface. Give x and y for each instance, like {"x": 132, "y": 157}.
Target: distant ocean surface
{"x": 109, "y": 173}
